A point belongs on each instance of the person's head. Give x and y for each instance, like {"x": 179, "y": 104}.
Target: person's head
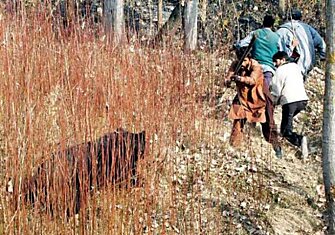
{"x": 296, "y": 14}
{"x": 280, "y": 58}
{"x": 240, "y": 53}
{"x": 268, "y": 21}
{"x": 246, "y": 62}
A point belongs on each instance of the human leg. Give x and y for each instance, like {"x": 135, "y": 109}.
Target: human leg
{"x": 267, "y": 78}
{"x": 288, "y": 112}
{"x": 304, "y": 142}
{"x": 269, "y": 128}
{"x": 300, "y": 105}
{"x": 236, "y": 136}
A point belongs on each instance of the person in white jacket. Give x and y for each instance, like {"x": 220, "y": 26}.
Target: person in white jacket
{"x": 287, "y": 89}
{"x": 301, "y": 40}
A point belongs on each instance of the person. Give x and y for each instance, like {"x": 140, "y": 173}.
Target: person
{"x": 249, "y": 104}
{"x": 264, "y": 46}
{"x": 299, "y": 40}
{"x": 287, "y": 89}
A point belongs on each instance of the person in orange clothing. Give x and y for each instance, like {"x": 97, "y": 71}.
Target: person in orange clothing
{"x": 250, "y": 102}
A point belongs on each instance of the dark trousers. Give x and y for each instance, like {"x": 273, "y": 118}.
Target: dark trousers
{"x": 286, "y": 128}
{"x": 267, "y": 78}
{"x": 269, "y": 128}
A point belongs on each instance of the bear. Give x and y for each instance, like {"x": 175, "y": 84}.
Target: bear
{"x": 65, "y": 181}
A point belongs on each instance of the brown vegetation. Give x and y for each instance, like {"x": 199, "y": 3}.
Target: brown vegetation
{"x": 63, "y": 91}
{"x": 61, "y": 88}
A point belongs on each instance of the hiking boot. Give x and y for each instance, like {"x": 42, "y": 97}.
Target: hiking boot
{"x": 304, "y": 147}
{"x": 278, "y": 152}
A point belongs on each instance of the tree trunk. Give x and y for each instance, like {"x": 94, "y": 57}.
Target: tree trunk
{"x": 282, "y": 7}
{"x": 108, "y": 17}
{"x": 118, "y": 19}
{"x": 170, "y": 25}
{"x": 328, "y": 137}
{"x": 160, "y": 13}
{"x": 191, "y": 25}
{"x": 203, "y": 10}
{"x": 114, "y": 19}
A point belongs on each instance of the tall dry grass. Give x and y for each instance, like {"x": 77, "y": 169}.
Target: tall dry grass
{"x": 67, "y": 87}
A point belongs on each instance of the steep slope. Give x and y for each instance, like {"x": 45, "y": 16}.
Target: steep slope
{"x": 248, "y": 190}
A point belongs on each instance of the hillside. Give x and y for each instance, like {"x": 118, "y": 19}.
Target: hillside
{"x": 64, "y": 91}
{"x": 249, "y": 190}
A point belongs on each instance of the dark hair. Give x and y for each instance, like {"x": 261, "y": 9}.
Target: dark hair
{"x": 296, "y": 14}
{"x": 280, "y": 55}
{"x": 240, "y": 52}
{"x": 268, "y": 21}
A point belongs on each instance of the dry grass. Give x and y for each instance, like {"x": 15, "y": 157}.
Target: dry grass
{"x": 71, "y": 87}
{"x": 67, "y": 87}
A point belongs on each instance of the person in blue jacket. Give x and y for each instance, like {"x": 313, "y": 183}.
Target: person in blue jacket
{"x": 301, "y": 40}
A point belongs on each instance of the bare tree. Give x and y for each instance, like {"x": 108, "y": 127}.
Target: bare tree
{"x": 328, "y": 138}
{"x": 114, "y": 19}
{"x": 108, "y": 17}
{"x": 171, "y": 25}
{"x": 190, "y": 24}
{"x": 282, "y": 6}
{"x": 150, "y": 9}
{"x": 118, "y": 17}
{"x": 203, "y": 10}
{"x": 160, "y": 13}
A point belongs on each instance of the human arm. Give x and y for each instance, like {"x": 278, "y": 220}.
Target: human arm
{"x": 248, "y": 80}
{"x": 318, "y": 42}
{"x": 256, "y": 73}
{"x": 229, "y": 77}
{"x": 276, "y": 86}
{"x": 245, "y": 41}
{"x": 287, "y": 41}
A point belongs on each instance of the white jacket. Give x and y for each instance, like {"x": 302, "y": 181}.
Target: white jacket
{"x": 287, "y": 85}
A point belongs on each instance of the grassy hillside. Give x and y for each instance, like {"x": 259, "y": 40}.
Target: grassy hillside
{"x": 64, "y": 88}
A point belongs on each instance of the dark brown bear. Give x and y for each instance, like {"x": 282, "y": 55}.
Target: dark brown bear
{"x": 70, "y": 176}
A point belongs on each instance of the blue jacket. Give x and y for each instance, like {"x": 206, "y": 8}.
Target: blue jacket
{"x": 309, "y": 41}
